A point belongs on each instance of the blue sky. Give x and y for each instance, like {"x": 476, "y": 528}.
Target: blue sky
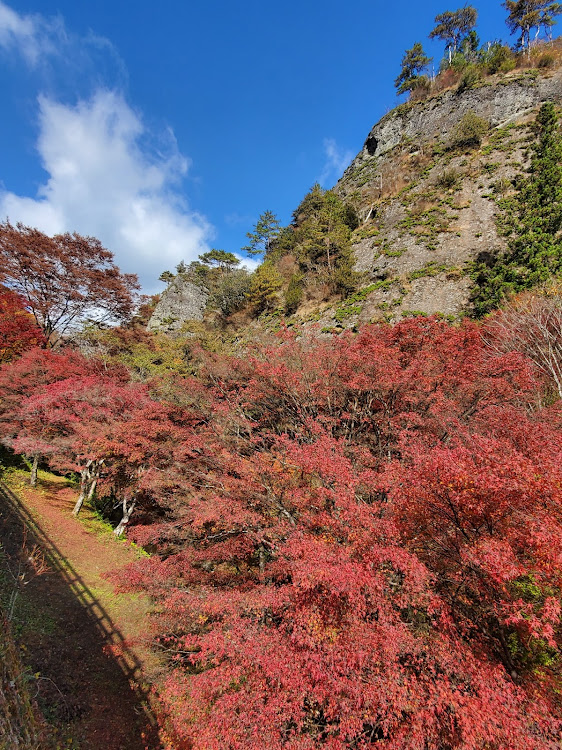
{"x": 166, "y": 129}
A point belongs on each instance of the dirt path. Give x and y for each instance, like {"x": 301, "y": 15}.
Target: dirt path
{"x": 81, "y": 640}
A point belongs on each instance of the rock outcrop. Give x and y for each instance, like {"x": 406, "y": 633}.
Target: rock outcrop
{"x": 428, "y": 208}
{"x": 499, "y": 102}
{"x": 429, "y": 205}
{"x": 181, "y": 302}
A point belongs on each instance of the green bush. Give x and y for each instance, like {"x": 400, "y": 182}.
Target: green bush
{"x": 499, "y": 59}
{"x": 294, "y": 293}
{"x": 502, "y": 186}
{"x": 231, "y": 291}
{"x": 458, "y": 62}
{"x": 449, "y": 179}
{"x": 469, "y": 131}
{"x": 546, "y": 61}
{"x": 470, "y": 78}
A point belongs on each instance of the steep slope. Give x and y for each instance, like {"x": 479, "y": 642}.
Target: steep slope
{"x": 428, "y": 200}
{"x": 426, "y": 188}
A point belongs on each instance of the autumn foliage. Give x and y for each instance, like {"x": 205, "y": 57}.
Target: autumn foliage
{"x": 366, "y": 549}
{"x": 354, "y": 542}
{"x": 18, "y": 329}
{"x": 64, "y": 280}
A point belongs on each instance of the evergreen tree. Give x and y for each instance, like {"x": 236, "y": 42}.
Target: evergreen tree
{"x": 469, "y": 47}
{"x": 264, "y": 287}
{"x": 322, "y": 227}
{"x": 294, "y": 293}
{"x": 452, "y": 26}
{"x": 167, "y": 277}
{"x": 525, "y": 15}
{"x": 220, "y": 259}
{"x": 231, "y": 291}
{"x": 538, "y": 246}
{"x": 265, "y": 231}
{"x": 534, "y": 222}
{"x": 413, "y": 63}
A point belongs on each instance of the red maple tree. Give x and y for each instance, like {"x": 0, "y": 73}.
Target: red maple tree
{"x": 64, "y": 279}
{"x": 355, "y": 542}
{"x": 361, "y": 554}
{"x": 18, "y": 329}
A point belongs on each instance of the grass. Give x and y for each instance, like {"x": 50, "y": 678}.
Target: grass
{"x": 19, "y": 725}
{"x": 364, "y": 233}
{"x": 353, "y": 304}
{"x": 433, "y": 269}
{"x": 500, "y": 139}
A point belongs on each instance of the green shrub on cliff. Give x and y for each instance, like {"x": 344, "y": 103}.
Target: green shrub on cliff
{"x": 469, "y": 131}
{"x": 533, "y": 221}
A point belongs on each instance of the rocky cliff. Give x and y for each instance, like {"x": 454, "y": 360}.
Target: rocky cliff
{"x": 180, "y": 303}
{"x": 499, "y": 101}
{"x": 428, "y": 208}
{"x": 427, "y": 203}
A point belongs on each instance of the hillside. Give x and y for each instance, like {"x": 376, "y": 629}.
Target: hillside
{"x": 426, "y": 192}
{"x": 429, "y": 206}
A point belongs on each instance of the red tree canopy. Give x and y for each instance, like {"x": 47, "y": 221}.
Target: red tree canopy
{"x": 29, "y": 377}
{"x": 77, "y": 418}
{"x": 356, "y": 542}
{"x": 362, "y": 550}
{"x": 65, "y": 279}
{"x": 18, "y": 329}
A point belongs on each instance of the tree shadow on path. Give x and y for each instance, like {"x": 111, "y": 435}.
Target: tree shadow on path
{"x": 86, "y": 680}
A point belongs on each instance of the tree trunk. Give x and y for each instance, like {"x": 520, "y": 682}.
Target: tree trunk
{"x": 92, "y": 491}
{"x": 78, "y": 506}
{"x": 94, "y": 476}
{"x": 84, "y": 476}
{"x": 34, "y": 468}
{"x": 127, "y": 513}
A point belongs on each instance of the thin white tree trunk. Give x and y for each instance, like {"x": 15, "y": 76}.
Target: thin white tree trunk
{"x": 92, "y": 491}
{"x": 127, "y": 513}
{"x": 94, "y": 476}
{"x": 34, "y": 468}
{"x": 84, "y": 476}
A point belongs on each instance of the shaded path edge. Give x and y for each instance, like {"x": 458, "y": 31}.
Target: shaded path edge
{"x": 122, "y": 655}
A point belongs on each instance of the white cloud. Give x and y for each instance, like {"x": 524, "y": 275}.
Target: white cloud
{"x": 54, "y": 52}
{"x": 33, "y": 36}
{"x": 107, "y": 176}
{"x": 250, "y": 264}
{"x": 104, "y": 180}
{"x": 18, "y": 32}
{"x": 337, "y": 160}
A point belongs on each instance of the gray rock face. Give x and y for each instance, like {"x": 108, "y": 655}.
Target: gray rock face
{"x": 182, "y": 301}
{"x": 421, "y": 121}
{"x": 420, "y": 235}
